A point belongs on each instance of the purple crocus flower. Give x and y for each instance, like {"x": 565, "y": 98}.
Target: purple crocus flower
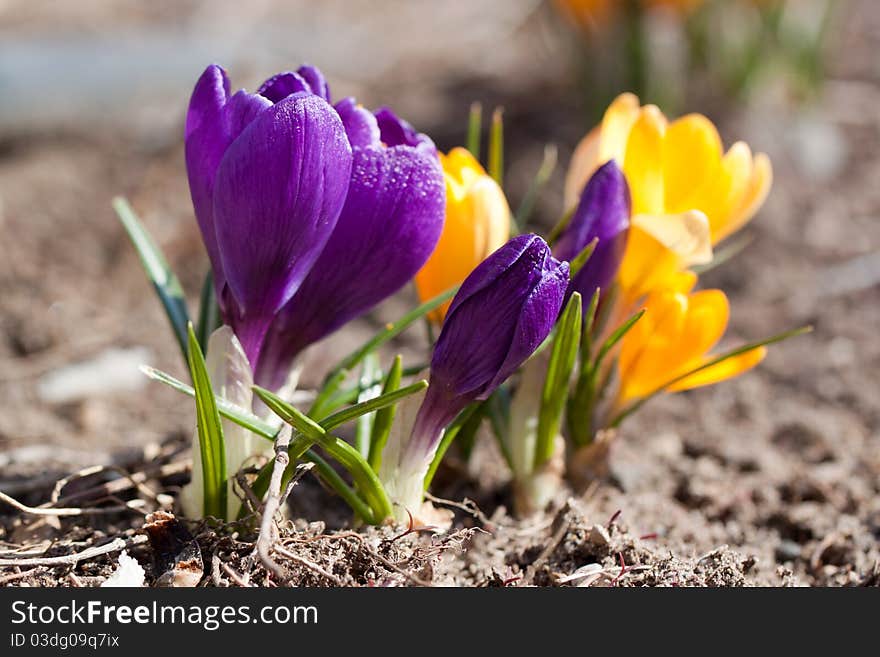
{"x": 390, "y": 224}
{"x": 603, "y": 212}
{"x": 504, "y": 310}
{"x": 269, "y": 174}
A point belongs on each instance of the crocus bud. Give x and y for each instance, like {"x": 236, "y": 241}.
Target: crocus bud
{"x": 268, "y": 174}
{"x": 502, "y": 313}
{"x": 603, "y": 212}
{"x": 477, "y": 223}
{"x": 390, "y": 224}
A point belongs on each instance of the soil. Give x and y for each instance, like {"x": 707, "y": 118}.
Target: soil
{"x": 772, "y": 479}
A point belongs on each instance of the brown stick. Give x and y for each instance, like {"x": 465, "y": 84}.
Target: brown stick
{"x": 311, "y": 565}
{"x": 72, "y": 511}
{"x": 273, "y": 503}
{"x": 72, "y": 559}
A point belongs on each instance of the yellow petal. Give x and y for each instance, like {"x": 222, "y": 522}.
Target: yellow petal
{"x": 604, "y": 142}
{"x": 647, "y": 264}
{"x": 726, "y": 369}
{"x": 686, "y": 234}
{"x": 584, "y": 162}
{"x": 721, "y": 197}
{"x": 707, "y": 317}
{"x": 643, "y": 161}
{"x": 616, "y": 125}
{"x": 754, "y": 197}
{"x": 648, "y": 350}
{"x": 691, "y": 156}
{"x": 477, "y": 223}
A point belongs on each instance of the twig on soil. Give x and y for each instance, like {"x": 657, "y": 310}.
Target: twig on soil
{"x": 308, "y": 564}
{"x": 20, "y": 575}
{"x": 548, "y": 550}
{"x": 119, "y": 485}
{"x": 234, "y": 576}
{"x": 248, "y": 496}
{"x": 415, "y": 579}
{"x": 72, "y": 511}
{"x": 273, "y": 503}
{"x": 467, "y": 505}
{"x": 115, "y": 545}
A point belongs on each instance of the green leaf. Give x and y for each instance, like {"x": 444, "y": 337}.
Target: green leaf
{"x": 210, "y": 429}
{"x": 475, "y": 129}
{"x": 209, "y": 312}
{"x": 448, "y": 436}
{"x": 384, "y": 417}
{"x": 496, "y": 147}
{"x": 560, "y": 227}
{"x": 228, "y": 410}
{"x": 392, "y": 330}
{"x": 581, "y": 259}
{"x": 589, "y": 322}
{"x": 164, "y": 281}
{"x": 548, "y": 165}
{"x": 556, "y": 385}
{"x": 636, "y": 405}
{"x": 616, "y": 337}
{"x": 498, "y": 412}
{"x": 328, "y": 475}
{"x": 348, "y": 457}
{"x": 371, "y": 405}
{"x": 370, "y": 371}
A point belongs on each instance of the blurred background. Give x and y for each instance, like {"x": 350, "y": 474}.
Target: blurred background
{"x": 92, "y": 100}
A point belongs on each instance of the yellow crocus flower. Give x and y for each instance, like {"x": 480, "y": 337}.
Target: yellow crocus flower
{"x": 687, "y": 194}
{"x": 674, "y": 167}
{"x": 674, "y": 337}
{"x": 477, "y": 223}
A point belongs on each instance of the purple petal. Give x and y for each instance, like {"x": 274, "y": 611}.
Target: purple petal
{"x": 390, "y": 224}
{"x": 360, "y": 124}
{"x": 492, "y": 267}
{"x": 536, "y": 320}
{"x": 317, "y": 81}
{"x": 508, "y": 305}
{"x": 208, "y": 97}
{"x": 282, "y": 85}
{"x": 395, "y": 132}
{"x": 603, "y": 212}
{"x": 279, "y": 190}
{"x": 213, "y": 122}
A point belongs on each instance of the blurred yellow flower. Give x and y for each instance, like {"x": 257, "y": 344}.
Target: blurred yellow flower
{"x": 674, "y": 167}
{"x": 477, "y": 223}
{"x": 589, "y": 13}
{"x": 687, "y": 194}
{"x": 674, "y": 337}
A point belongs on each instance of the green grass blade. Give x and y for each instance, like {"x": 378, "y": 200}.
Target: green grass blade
{"x": 370, "y": 371}
{"x": 348, "y": 457}
{"x": 384, "y": 416}
{"x": 475, "y": 129}
{"x": 542, "y": 175}
{"x": 166, "y": 284}
{"x": 556, "y": 385}
{"x": 209, "y": 312}
{"x": 581, "y": 259}
{"x": 227, "y": 409}
{"x": 384, "y": 400}
{"x": 210, "y": 430}
{"x": 290, "y": 414}
{"x": 616, "y": 337}
{"x": 448, "y": 436}
{"x": 496, "y": 147}
{"x": 636, "y": 405}
{"x": 560, "y": 227}
{"x": 389, "y": 332}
